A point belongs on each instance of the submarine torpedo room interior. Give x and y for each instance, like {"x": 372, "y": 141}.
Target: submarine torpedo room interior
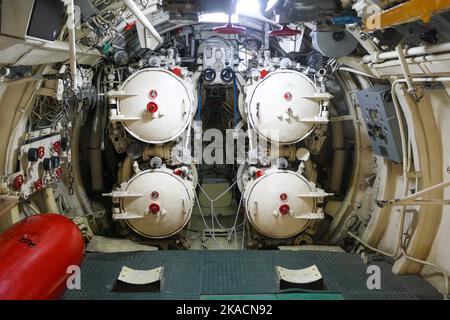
{"x": 268, "y": 143}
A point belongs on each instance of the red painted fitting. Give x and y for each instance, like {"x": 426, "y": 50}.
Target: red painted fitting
{"x": 263, "y": 73}
{"x": 177, "y": 71}
{"x": 152, "y": 107}
{"x": 259, "y": 173}
{"x": 285, "y": 31}
{"x": 18, "y": 182}
{"x": 288, "y": 96}
{"x": 284, "y": 209}
{"x": 154, "y": 195}
{"x": 154, "y": 208}
{"x": 153, "y": 94}
{"x": 38, "y": 185}
{"x": 41, "y": 152}
{"x": 57, "y": 147}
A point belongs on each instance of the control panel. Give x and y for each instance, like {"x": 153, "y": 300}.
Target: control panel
{"x": 40, "y": 163}
{"x": 381, "y": 120}
{"x": 218, "y": 61}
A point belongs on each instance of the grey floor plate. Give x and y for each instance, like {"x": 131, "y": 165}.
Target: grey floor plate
{"x": 189, "y": 274}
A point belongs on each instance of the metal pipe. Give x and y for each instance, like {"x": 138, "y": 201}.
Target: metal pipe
{"x": 127, "y": 168}
{"x": 72, "y": 45}
{"x": 406, "y": 72}
{"x": 410, "y": 199}
{"x": 416, "y": 51}
{"x": 48, "y": 195}
{"x": 143, "y": 19}
{"x": 361, "y": 73}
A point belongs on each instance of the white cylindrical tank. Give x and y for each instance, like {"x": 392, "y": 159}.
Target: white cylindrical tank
{"x": 157, "y": 105}
{"x": 282, "y": 106}
{"x": 163, "y": 197}
{"x": 273, "y": 205}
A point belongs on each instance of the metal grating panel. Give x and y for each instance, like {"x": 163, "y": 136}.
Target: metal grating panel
{"x": 190, "y": 274}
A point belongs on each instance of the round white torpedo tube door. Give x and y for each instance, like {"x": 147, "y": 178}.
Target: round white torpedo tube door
{"x": 165, "y": 199}
{"x": 272, "y": 204}
{"x": 158, "y": 105}
{"x": 281, "y": 107}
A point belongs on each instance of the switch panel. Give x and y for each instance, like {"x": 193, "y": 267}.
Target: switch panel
{"x": 40, "y": 164}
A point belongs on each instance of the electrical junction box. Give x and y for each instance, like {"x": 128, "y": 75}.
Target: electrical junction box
{"x": 381, "y": 120}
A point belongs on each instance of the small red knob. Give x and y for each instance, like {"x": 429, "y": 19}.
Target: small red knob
{"x": 283, "y": 197}
{"x": 284, "y": 209}
{"x": 153, "y": 94}
{"x": 57, "y": 147}
{"x": 152, "y": 107}
{"x": 259, "y": 173}
{"x": 41, "y": 152}
{"x": 154, "y": 195}
{"x": 129, "y": 26}
{"x": 38, "y": 185}
{"x": 263, "y": 73}
{"x": 154, "y": 208}
{"x": 288, "y": 96}
{"x": 177, "y": 71}
{"x": 18, "y": 182}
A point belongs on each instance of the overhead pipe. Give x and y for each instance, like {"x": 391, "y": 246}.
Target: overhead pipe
{"x": 72, "y": 45}
{"x": 132, "y": 6}
{"x": 416, "y": 51}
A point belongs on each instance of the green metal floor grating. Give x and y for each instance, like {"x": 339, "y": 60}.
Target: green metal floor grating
{"x": 190, "y": 274}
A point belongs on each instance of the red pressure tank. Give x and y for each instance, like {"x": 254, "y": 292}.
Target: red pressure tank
{"x": 35, "y": 254}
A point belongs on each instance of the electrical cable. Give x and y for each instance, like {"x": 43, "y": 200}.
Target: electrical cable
{"x": 235, "y": 102}
{"x": 232, "y": 230}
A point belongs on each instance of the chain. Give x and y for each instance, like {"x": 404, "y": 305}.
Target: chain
{"x": 71, "y": 179}
{"x": 68, "y": 133}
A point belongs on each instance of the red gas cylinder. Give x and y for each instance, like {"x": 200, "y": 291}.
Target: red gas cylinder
{"x": 35, "y": 254}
